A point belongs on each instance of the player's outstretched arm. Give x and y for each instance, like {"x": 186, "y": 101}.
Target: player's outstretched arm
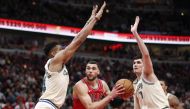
{"x": 64, "y": 55}
{"x": 148, "y": 67}
{"x": 82, "y": 94}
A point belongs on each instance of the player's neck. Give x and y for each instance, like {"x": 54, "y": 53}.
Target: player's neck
{"x": 93, "y": 83}
{"x": 166, "y": 92}
{"x": 138, "y": 76}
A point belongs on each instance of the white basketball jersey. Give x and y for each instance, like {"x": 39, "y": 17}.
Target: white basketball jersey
{"x": 55, "y": 85}
{"x": 151, "y": 95}
{"x": 168, "y": 94}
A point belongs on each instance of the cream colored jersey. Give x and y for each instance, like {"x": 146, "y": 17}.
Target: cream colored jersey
{"x": 55, "y": 85}
{"x": 168, "y": 94}
{"x": 150, "y": 95}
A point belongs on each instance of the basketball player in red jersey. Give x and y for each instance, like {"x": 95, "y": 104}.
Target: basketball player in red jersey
{"x": 91, "y": 92}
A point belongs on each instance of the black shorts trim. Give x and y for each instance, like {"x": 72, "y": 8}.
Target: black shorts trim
{"x": 166, "y": 107}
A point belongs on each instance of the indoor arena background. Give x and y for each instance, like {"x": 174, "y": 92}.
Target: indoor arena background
{"x": 22, "y": 60}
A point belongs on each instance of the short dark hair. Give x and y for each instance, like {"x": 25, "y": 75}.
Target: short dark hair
{"x": 137, "y": 57}
{"x": 165, "y": 82}
{"x": 94, "y": 62}
{"x": 48, "y": 47}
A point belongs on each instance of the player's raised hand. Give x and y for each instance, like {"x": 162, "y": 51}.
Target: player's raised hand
{"x": 96, "y": 15}
{"x": 94, "y": 11}
{"x": 100, "y": 12}
{"x": 135, "y": 26}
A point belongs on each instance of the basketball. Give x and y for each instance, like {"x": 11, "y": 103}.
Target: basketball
{"x": 129, "y": 89}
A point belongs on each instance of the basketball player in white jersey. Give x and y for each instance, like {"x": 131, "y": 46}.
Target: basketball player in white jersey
{"x": 56, "y": 77}
{"x": 148, "y": 91}
{"x": 173, "y": 100}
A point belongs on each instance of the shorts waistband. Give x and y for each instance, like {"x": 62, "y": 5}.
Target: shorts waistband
{"x": 49, "y": 102}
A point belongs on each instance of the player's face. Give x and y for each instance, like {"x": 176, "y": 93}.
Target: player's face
{"x": 56, "y": 49}
{"x": 162, "y": 83}
{"x": 137, "y": 66}
{"x": 92, "y": 71}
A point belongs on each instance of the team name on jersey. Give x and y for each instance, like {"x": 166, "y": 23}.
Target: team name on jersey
{"x": 139, "y": 89}
{"x": 65, "y": 72}
{"x": 96, "y": 96}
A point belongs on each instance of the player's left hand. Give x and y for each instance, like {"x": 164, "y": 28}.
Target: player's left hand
{"x": 100, "y": 12}
{"x": 93, "y": 14}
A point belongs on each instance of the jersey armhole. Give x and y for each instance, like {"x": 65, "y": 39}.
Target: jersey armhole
{"x": 147, "y": 82}
{"x": 104, "y": 88}
{"x": 144, "y": 79}
{"x": 54, "y": 73}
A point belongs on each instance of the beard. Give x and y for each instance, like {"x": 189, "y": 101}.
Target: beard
{"x": 91, "y": 79}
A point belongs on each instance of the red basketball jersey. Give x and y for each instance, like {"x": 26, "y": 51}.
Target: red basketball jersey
{"x": 95, "y": 94}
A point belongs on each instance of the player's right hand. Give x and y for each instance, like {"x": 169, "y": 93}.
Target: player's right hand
{"x": 117, "y": 90}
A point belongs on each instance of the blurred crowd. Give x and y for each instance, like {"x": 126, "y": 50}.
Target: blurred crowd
{"x": 21, "y": 77}
{"x": 157, "y": 16}
{"x": 98, "y": 48}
